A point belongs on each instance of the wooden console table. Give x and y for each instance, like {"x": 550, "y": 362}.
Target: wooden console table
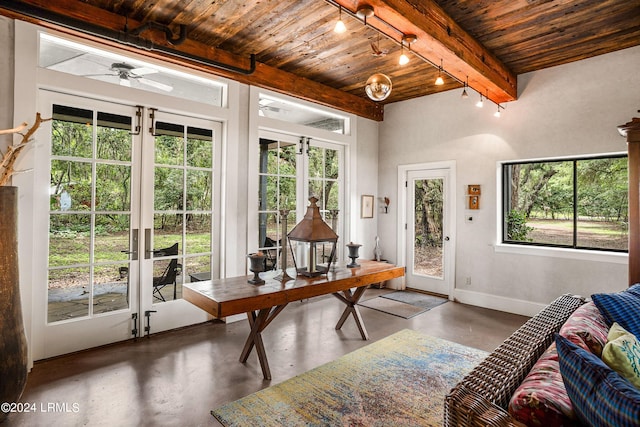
{"x": 262, "y": 303}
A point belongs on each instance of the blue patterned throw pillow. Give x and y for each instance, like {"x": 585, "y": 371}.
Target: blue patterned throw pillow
{"x": 600, "y": 396}
{"x": 635, "y": 289}
{"x": 621, "y": 307}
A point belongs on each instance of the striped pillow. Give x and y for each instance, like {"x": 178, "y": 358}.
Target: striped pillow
{"x": 600, "y": 396}
{"x": 621, "y": 307}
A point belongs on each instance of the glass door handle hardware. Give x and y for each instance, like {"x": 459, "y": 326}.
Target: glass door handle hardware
{"x": 134, "y": 245}
{"x": 147, "y": 243}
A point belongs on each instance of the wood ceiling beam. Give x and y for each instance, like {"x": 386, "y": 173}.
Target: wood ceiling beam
{"x": 264, "y": 76}
{"x": 440, "y": 38}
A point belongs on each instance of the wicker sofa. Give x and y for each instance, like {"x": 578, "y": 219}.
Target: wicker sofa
{"x": 482, "y": 397}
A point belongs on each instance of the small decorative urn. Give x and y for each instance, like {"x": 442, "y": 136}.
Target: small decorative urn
{"x": 256, "y": 266}
{"x": 354, "y": 248}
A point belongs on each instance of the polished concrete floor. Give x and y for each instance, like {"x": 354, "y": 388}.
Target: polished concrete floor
{"x": 176, "y": 378}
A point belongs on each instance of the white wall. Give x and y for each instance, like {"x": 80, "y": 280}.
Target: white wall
{"x": 566, "y": 110}
{"x": 366, "y": 183}
{"x": 6, "y": 82}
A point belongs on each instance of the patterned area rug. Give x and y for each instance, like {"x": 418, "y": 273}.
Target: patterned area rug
{"x": 400, "y": 380}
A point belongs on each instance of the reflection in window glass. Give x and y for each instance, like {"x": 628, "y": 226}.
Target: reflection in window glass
{"x": 292, "y": 112}
{"x": 69, "y": 57}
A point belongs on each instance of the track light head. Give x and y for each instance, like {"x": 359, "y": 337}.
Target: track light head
{"x": 340, "y": 27}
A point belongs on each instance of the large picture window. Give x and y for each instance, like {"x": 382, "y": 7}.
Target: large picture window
{"x": 579, "y": 203}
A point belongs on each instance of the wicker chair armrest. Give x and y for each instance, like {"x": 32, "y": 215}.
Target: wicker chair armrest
{"x": 496, "y": 378}
{"x": 474, "y": 410}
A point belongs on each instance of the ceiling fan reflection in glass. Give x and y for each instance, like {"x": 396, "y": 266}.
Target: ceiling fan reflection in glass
{"x": 112, "y": 66}
{"x": 126, "y": 73}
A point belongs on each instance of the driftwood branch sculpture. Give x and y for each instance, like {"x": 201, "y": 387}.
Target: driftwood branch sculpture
{"x": 11, "y": 155}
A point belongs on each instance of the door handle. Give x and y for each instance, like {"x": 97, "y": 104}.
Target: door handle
{"x": 134, "y": 245}
{"x": 446, "y": 239}
{"x": 147, "y": 243}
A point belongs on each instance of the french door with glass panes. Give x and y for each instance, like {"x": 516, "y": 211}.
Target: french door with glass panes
{"x": 132, "y": 214}
{"x": 291, "y": 170}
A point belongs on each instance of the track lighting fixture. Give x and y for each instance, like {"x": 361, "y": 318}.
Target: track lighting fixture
{"x": 440, "y": 80}
{"x": 340, "y": 27}
{"x": 404, "y": 59}
{"x": 378, "y": 86}
{"x": 408, "y": 39}
{"x": 465, "y": 95}
{"x": 364, "y": 11}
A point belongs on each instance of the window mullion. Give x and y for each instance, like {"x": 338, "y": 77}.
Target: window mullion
{"x": 575, "y": 203}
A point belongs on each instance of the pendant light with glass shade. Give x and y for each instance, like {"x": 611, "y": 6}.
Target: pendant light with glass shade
{"x": 406, "y": 39}
{"x": 340, "y": 27}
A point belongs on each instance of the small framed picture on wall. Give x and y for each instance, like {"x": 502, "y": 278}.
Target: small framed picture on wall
{"x": 474, "y": 202}
{"x": 367, "y": 206}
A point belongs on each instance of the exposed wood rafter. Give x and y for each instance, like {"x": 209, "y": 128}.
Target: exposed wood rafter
{"x": 264, "y": 76}
{"x": 440, "y": 38}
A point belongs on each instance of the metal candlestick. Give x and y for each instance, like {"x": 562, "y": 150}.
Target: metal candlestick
{"x": 284, "y": 213}
{"x": 334, "y": 227}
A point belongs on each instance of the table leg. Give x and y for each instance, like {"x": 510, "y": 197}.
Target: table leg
{"x": 258, "y": 321}
{"x": 351, "y": 299}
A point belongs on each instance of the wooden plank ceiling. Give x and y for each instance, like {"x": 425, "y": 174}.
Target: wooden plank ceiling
{"x": 488, "y": 42}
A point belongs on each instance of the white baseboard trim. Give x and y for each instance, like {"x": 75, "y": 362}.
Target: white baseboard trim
{"x": 494, "y": 302}
{"x": 235, "y": 318}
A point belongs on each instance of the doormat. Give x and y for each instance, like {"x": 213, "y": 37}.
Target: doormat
{"x": 396, "y": 308}
{"x": 416, "y": 298}
{"x": 400, "y": 380}
{"x": 403, "y": 304}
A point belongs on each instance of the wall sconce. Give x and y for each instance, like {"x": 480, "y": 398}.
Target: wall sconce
{"x": 386, "y": 202}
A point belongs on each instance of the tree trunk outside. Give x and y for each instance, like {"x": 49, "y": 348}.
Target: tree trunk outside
{"x": 13, "y": 342}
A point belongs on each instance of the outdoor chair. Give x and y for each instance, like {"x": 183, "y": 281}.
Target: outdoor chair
{"x": 270, "y": 254}
{"x": 169, "y": 274}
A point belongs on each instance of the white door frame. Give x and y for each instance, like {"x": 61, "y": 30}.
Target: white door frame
{"x": 403, "y": 171}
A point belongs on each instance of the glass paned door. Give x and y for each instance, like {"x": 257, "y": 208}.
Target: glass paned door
{"x": 427, "y": 231}
{"x": 86, "y": 224}
{"x": 90, "y": 213}
{"x": 277, "y": 198}
{"x": 180, "y": 211}
{"x": 291, "y": 170}
{"x": 131, "y": 217}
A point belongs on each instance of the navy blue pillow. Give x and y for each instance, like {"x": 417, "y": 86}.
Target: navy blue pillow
{"x": 599, "y": 395}
{"x": 622, "y": 307}
{"x": 635, "y": 289}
